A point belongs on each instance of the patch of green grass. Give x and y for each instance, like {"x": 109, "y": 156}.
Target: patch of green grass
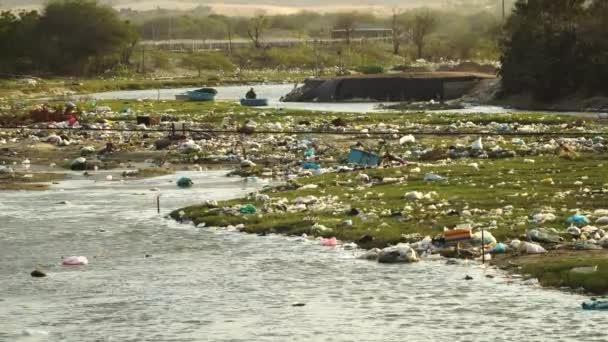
{"x": 485, "y": 193}
{"x": 555, "y": 271}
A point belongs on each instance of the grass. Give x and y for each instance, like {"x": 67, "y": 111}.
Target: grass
{"x": 28, "y": 181}
{"x": 387, "y": 218}
{"x": 555, "y": 269}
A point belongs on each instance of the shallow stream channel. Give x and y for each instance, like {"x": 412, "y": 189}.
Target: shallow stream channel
{"x": 273, "y": 92}
{"x": 150, "y": 278}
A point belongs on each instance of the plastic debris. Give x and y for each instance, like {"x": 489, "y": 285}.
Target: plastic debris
{"x": 331, "y": 242}
{"x": 578, "y": 220}
{"x": 431, "y": 177}
{"x": 310, "y": 166}
{"x": 248, "y": 209}
{"x": 500, "y": 248}
{"x": 401, "y": 253}
{"x": 75, "y": 261}
{"x": 477, "y": 145}
{"x": 408, "y": 139}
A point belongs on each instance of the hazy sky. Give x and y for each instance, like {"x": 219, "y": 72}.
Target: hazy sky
{"x": 244, "y": 7}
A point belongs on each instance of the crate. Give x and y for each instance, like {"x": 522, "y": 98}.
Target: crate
{"x": 363, "y": 158}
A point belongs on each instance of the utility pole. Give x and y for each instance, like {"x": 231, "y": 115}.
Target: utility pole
{"x": 143, "y": 59}
{"x": 503, "y": 10}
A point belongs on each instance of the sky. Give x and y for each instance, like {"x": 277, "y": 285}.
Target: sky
{"x": 248, "y": 7}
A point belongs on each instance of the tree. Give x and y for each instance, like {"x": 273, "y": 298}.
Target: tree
{"x": 346, "y": 22}
{"x": 543, "y": 51}
{"x": 79, "y": 36}
{"x": 397, "y": 31}
{"x": 200, "y": 61}
{"x": 257, "y": 26}
{"x": 422, "y": 24}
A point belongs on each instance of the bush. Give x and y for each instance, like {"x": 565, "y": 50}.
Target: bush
{"x": 370, "y": 69}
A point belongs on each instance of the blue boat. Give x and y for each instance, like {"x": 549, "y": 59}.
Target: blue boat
{"x": 363, "y": 158}
{"x": 254, "y": 102}
{"x": 185, "y": 182}
{"x": 204, "y": 94}
{"x": 595, "y": 304}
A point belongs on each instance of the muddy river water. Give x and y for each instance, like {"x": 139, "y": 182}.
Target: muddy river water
{"x": 209, "y": 285}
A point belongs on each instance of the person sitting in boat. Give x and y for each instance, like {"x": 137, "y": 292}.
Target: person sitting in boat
{"x": 251, "y": 95}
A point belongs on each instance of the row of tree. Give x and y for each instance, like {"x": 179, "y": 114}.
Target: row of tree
{"x": 554, "y": 48}
{"x": 453, "y": 34}
{"x": 69, "y": 37}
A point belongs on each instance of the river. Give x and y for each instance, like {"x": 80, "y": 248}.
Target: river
{"x": 273, "y": 92}
{"x": 206, "y": 285}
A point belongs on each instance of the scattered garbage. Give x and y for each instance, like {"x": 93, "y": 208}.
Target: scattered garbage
{"x": 401, "y": 253}
{"x": 544, "y": 236}
{"x": 372, "y": 254}
{"x": 75, "y": 261}
{"x": 247, "y": 163}
{"x": 477, "y": 145}
{"x": 408, "y": 139}
{"x": 527, "y": 247}
{"x": 79, "y": 164}
{"x": 248, "y": 209}
{"x": 578, "y": 220}
{"x": 602, "y": 221}
{"x": 360, "y": 157}
{"x": 331, "y": 242}
{"x": 431, "y": 177}
{"x": 500, "y": 248}
{"x": 310, "y": 166}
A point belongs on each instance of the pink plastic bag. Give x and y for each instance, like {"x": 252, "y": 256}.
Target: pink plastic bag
{"x": 75, "y": 261}
{"x": 332, "y": 242}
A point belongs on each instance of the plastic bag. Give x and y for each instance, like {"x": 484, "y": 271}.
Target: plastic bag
{"x": 248, "y": 209}
{"x": 402, "y": 253}
{"x": 500, "y": 248}
{"x": 75, "y": 261}
{"x": 331, "y": 242}
{"x": 477, "y": 145}
{"x": 578, "y": 220}
{"x": 310, "y": 166}
{"x": 531, "y": 248}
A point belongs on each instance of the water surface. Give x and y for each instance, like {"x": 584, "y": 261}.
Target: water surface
{"x": 205, "y": 285}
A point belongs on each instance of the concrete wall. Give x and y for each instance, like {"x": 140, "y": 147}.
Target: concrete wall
{"x": 385, "y": 88}
{"x": 455, "y": 89}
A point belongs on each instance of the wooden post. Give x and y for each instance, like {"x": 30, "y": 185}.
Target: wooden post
{"x": 483, "y": 247}
{"x": 158, "y": 204}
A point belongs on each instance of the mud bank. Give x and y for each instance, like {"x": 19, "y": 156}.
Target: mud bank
{"x": 420, "y": 86}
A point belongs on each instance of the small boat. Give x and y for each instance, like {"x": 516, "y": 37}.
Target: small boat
{"x": 203, "y": 94}
{"x": 254, "y": 102}
{"x": 184, "y": 182}
{"x": 595, "y": 305}
{"x": 182, "y": 97}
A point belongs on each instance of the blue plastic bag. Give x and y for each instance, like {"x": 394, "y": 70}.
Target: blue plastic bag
{"x": 578, "y": 220}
